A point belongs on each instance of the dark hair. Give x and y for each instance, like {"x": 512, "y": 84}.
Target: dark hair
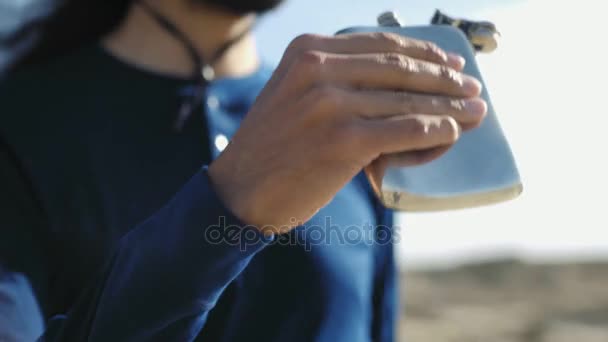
{"x": 71, "y": 24}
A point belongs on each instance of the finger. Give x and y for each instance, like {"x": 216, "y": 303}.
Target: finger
{"x": 412, "y": 158}
{"x": 456, "y": 62}
{"x": 381, "y": 71}
{"x": 377, "y": 169}
{"x": 375, "y": 42}
{"x": 381, "y": 104}
{"x": 409, "y": 133}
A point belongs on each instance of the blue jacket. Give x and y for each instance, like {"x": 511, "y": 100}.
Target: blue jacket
{"x": 110, "y": 215}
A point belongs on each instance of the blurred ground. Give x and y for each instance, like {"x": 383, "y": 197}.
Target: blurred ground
{"x": 506, "y": 301}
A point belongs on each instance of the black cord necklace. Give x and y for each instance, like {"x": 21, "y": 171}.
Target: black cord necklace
{"x": 203, "y": 72}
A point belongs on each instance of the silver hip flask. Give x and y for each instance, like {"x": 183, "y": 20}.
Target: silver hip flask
{"x": 480, "y": 168}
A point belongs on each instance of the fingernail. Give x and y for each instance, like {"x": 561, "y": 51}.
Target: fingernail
{"x": 453, "y": 128}
{"x": 475, "y": 107}
{"x": 456, "y": 61}
{"x": 471, "y": 85}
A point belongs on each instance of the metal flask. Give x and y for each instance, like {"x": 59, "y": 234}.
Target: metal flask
{"x": 478, "y": 170}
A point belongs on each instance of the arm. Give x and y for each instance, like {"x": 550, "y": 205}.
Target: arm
{"x": 166, "y": 275}
{"x": 161, "y": 280}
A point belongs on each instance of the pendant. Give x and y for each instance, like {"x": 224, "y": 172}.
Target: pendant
{"x": 208, "y": 73}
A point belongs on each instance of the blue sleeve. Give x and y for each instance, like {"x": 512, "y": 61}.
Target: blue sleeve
{"x": 386, "y": 294}
{"x": 167, "y": 274}
{"x": 164, "y": 276}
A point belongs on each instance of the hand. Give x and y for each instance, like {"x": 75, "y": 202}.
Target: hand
{"x": 333, "y": 107}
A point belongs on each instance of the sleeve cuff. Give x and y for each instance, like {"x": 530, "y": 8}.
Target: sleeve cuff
{"x": 229, "y": 229}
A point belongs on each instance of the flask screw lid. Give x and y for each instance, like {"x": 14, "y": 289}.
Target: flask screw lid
{"x": 389, "y": 19}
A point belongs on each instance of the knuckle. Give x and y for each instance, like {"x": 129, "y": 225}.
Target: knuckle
{"x": 310, "y": 59}
{"x": 441, "y": 129}
{"x": 389, "y": 39}
{"x": 327, "y": 98}
{"x": 307, "y": 64}
{"x": 416, "y": 128}
{"x": 409, "y": 103}
{"x": 393, "y": 58}
{"x": 454, "y": 105}
{"x": 448, "y": 74}
{"x": 301, "y": 43}
{"x": 434, "y": 52}
{"x": 304, "y": 41}
{"x": 402, "y": 62}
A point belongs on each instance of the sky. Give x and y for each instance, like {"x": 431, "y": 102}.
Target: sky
{"x": 547, "y": 83}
